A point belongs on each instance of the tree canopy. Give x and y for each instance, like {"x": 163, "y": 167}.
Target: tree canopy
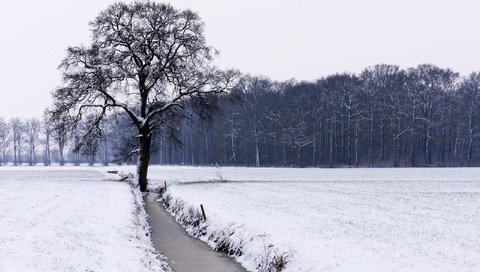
{"x": 146, "y": 59}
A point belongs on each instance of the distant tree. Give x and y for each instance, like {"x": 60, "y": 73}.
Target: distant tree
{"x": 47, "y": 130}
{"x": 124, "y": 143}
{"x": 90, "y": 148}
{"x": 432, "y": 84}
{"x": 297, "y": 136}
{"x": 146, "y": 59}
{"x": 470, "y": 92}
{"x": 76, "y": 143}
{"x": 32, "y": 127}
{"x": 386, "y": 91}
{"x": 104, "y": 141}
{"x": 5, "y": 139}
{"x": 18, "y": 133}
{"x": 61, "y": 125}
{"x": 86, "y": 140}
{"x": 347, "y": 90}
{"x": 297, "y": 131}
{"x": 255, "y": 111}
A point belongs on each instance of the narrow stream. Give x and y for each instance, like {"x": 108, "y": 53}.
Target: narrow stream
{"x": 184, "y": 253}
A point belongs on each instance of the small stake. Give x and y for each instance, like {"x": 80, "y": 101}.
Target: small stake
{"x": 203, "y": 213}
{"x": 165, "y": 185}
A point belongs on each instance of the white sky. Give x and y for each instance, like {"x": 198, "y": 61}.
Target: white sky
{"x": 282, "y": 39}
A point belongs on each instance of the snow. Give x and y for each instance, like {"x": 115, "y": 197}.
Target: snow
{"x": 71, "y": 219}
{"x": 82, "y": 219}
{"x": 420, "y": 219}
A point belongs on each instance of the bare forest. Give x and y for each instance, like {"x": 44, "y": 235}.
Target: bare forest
{"x": 382, "y": 117}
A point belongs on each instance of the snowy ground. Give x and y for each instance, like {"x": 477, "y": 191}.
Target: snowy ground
{"x": 71, "y": 219}
{"x": 341, "y": 219}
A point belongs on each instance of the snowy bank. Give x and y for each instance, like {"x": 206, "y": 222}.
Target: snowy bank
{"x": 72, "y": 219}
{"x": 250, "y": 249}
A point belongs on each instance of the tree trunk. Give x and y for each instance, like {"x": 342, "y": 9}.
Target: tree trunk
{"x": 342, "y": 139}
{"x": 257, "y": 155}
{"x": 349, "y": 136}
{"x": 412, "y": 135}
{"x": 105, "y": 146}
{"x": 34, "y": 161}
{"x": 257, "y": 151}
{"x": 143, "y": 159}
{"x": 470, "y": 137}
{"x": 47, "y": 149}
{"x": 314, "y": 152}
{"x": 161, "y": 151}
{"x": 426, "y": 142}
{"x": 275, "y": 150}
{"x": 299, "y": 156}
{"x": 172, "y": 158}
{"x": 207, "y": 147}
{"x": 318, "y": 158}
{"x": 370, "y": 150}
{"x": 191, "y": 144}
{"x": 331, "y": 150}
{"x": 382, "y": 139}
{"x": 15, "y": 153}
{"x": 266, "y": 157}
{"x": 356, "y": 143}
{"x": 444, "y": 140}
{"x": 395, "y": 140}
{"x": 62, "y": 160}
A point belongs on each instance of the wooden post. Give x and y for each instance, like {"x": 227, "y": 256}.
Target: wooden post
{"x": 165, "y": 185}
{"x": 203, "y": 213}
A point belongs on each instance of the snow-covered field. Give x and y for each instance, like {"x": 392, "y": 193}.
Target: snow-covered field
{"x": 81, "y": 219}
{"x": 71, "y": 219}
{"x": 340, "y": 219}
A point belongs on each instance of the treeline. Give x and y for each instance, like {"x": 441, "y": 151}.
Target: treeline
{"x": 384, "y": 116}
{"x": 63, "y": 141}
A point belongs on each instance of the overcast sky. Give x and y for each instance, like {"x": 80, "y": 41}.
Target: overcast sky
{"x": 281, "y": 39}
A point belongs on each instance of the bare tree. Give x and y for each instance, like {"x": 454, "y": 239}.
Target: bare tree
{"x": 432, "y": 84}
{"x": 61, "y": 125}
{"x": 145, "y": 59}
{"x": 32, "y": 127}
{"x": 18, "y": 135}
{"x": 470, "y": 92}
{"x": 47, "y": 130}
{"x": 104, "y": 141}
{"x": 5, "y": 139}
{"x": 86, "y": 141}
{"x": 254, "y": 111}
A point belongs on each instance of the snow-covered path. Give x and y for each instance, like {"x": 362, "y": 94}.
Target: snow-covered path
{"x": 70, "y": 219}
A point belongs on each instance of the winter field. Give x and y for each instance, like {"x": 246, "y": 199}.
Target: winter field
{"x": 82, "y": 219}
{"x": 337, "y": 219}
{"x": 71, "y": 219}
